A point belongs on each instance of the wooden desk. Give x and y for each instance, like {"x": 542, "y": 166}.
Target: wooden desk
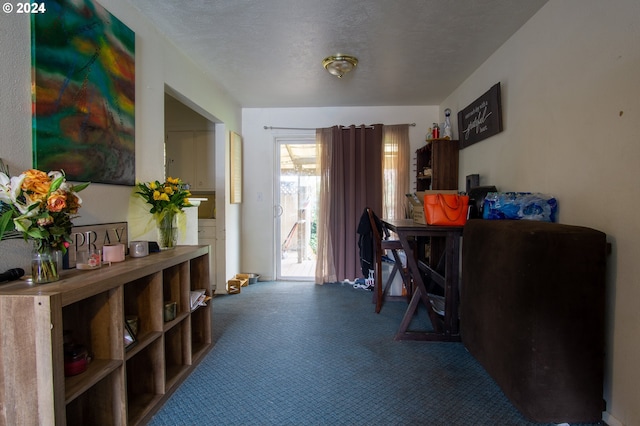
{"x": 447, "y": 328}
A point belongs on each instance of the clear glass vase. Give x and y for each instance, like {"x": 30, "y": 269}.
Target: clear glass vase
{"x": 167, "y": 230}
{"x": 45, "y": 265}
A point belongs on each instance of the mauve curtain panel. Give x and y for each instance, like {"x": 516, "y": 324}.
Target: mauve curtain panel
{"x": 351, "y": 162}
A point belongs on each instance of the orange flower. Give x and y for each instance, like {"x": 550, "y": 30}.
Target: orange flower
{"x": 57, "y": 201}
{"x": 41, "y": 206}
{"x": 36, "y": 183}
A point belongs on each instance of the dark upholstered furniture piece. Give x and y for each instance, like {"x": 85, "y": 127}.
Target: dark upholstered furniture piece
{"x": 532, "y": 313}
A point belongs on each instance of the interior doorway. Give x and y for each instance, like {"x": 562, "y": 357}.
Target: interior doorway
{"x": 195, "y": 153}
{"x": 297, "y": 199}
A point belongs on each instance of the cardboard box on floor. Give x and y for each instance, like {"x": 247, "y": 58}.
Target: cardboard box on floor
{"x": 416, "y": 202}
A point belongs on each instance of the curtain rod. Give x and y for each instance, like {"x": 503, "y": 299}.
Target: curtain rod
{"x": 309, "y": 128}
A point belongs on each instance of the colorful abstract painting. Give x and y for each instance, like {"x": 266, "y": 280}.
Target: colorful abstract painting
{"x": 83, "y": 67}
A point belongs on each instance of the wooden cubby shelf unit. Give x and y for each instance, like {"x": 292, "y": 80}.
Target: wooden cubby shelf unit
{"x": 439, "y": 158}
{"x": 122, "y": 384}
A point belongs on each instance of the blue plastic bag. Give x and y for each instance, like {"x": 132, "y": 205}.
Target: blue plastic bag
{"x": 520, "y": 206}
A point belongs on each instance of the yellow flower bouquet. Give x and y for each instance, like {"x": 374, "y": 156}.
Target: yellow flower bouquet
{"x": 167, "y": 200}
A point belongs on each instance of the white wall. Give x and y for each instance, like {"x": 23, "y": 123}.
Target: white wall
{"x": 158, "y": 63}
{"x": 258, "y": 225}
{"x": 15, "y": 115}
{"x": 571, "y": 105}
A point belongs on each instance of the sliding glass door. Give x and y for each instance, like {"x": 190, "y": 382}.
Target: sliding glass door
{"x": 296, "y": 195}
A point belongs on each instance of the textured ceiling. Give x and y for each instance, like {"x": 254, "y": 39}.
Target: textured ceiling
{"x": 268, "y": 53}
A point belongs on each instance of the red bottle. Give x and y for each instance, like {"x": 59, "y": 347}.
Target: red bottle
{"x": 435, "y": 131}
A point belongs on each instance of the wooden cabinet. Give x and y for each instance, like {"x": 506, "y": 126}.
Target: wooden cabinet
{"x": 122, "y": 385}
{"x": 437, "y": 165}
{"x": 191, "y": 157}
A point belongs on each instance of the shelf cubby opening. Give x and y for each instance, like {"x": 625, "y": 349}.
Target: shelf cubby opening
{"x": 94, "y": 324}
{"x": 145, "y": 381}
{"x": 177, "y": 352}
{"x": 143, "y": 300}
{"x": 96, "y": 371}
{"x": 100, "y": 404}
{"x": 200, "y": 273}
{"x": 175, "y": 286}
{"x": 201, "y": 330}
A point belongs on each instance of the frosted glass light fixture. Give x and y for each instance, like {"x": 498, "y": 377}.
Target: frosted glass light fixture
{"x": 339, "y": 65}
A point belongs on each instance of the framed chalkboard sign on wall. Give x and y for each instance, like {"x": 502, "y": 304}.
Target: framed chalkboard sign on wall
{"x": 481, "y": 119}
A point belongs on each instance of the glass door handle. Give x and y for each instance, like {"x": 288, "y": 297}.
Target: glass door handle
{"x": 278, "y": 210}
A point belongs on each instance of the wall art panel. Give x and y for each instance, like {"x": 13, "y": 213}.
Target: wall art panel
{"x": 83, "y": 83}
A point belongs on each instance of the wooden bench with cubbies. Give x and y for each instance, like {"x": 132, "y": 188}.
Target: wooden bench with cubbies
{"x": 125, "y": 382}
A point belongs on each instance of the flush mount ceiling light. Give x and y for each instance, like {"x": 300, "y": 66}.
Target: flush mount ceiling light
{"x": 339, "y": 65}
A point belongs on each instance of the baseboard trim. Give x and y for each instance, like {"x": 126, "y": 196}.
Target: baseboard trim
{"x": 610, "y": 420}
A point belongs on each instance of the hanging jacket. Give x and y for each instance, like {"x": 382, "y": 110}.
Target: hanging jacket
{"x": 366, "y": 242}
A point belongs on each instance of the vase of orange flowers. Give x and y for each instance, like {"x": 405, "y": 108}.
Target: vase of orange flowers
{"x": 39, "y": 206}
{"x": 167, "y": 201}
{"x": 45, "y": 267}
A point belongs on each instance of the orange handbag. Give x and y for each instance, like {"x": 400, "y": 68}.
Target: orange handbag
{"x": 446, "y": 209}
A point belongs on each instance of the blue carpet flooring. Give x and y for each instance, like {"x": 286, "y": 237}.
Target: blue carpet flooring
{"x": 295, "y": 353}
